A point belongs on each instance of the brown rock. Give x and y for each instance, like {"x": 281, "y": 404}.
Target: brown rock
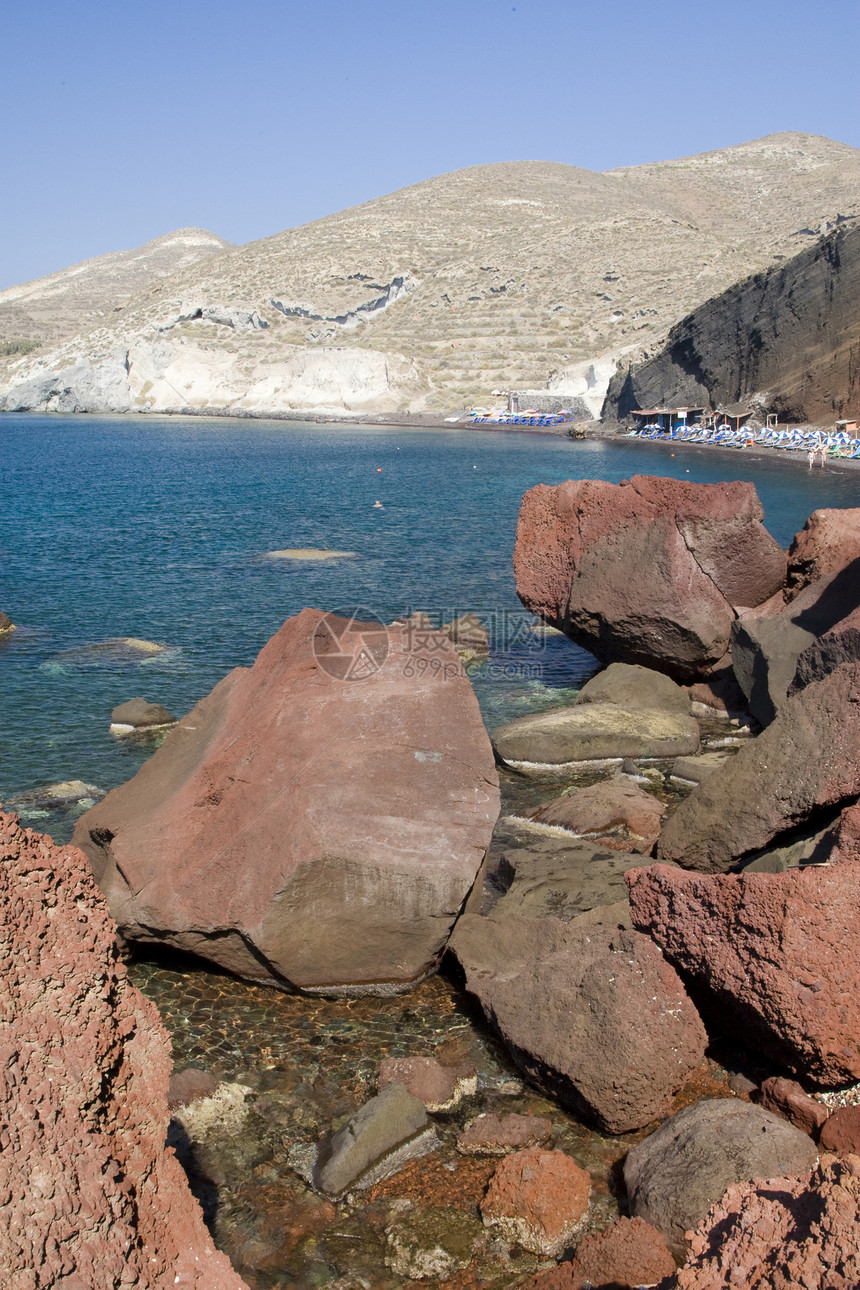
{"x": 841, "y": 1132}
{"x": 594, "y": 1015}
{"x": 674, "y": 1176}
{"x": 90, "y": 1196}
{"x": 767, "y": 649}
{"x": 842, "y": 841}
{"x": 809, "y": 757}
{"x": 140, "y": 714}
{"x": 496, "y": 1135}
{"x": 604, "y": 806}
{"x": 438, "y": 1087}
{"x": 316, "y": 820}
{"x": 648, "y": 571}
{"x": 537, "y": 1199}
{"x": 6, "y": 624}
{"x": 787, "y": 1098}
{"x": 629, "y": 1253}
{"x": 841, "y": 644}
{"x": 828, "y": 541}
{"x": 189, "y": 1085}
{"x": 782, "y": 1233}
{"x": 774, "y": 954}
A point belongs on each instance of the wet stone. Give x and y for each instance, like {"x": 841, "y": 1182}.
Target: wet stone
{"x": 432, "y": 1243}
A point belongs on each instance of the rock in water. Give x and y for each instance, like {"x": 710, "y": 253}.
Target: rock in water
{"x": 537, "y": 1199}
{"x": 592, "y": 1013}
{"x": 649, "y": 571}
{"x": 303, "y": 829}
{"x": 774, "y": 955}
{"x": 380, "y": 1138}
{"x": 677, "y": 1173}
{"x": 139, "y": 714}
{"x": 90, "y": 1196}
{"x": 6, "y": 624}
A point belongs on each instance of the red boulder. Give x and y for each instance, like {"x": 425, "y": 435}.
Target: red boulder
{"x": 828, "y": 542}
{"x": 317, "y": 820}
{"x": 649, "y": 571}
{"x": 775, "y": 955}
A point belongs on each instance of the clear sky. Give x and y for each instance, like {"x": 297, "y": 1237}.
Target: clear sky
{"x": 121, "y": 121}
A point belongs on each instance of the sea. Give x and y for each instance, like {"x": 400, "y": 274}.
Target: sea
{"x": 118, "y": 535}
{"x": 158, "y": 530}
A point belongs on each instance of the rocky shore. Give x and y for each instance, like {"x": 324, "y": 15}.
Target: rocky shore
{"x": 672, "y": 877}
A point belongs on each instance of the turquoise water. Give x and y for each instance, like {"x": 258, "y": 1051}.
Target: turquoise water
{"x": 158, "y": 528}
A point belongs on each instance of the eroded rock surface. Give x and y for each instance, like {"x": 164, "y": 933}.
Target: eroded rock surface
{"x": 674, "y": 1176}
{"x": 782, "y": 1233}
{"x": 650, "y": 571}
{"x": 308, "y": 823}
{"x": 774, "y": 954}
{"x": 90, "y": 1196}
{"x": 592, "y": 1013}
{"x": 828, "y": 541}
{"x": 537, "y": 1199}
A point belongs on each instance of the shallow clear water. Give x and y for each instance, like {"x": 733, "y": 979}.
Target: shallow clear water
{"x": 158, "y": 528}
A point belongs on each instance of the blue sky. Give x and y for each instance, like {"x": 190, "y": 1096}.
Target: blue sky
{"x": 122, "y": 121}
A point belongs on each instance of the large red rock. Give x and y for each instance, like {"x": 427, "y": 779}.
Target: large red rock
{"x": 828, "y": 542}
{"x": 628, "y": 1254}
{"x": 90, "y": 1196}
{"x": 841, "y": 1131}
{"x": 317, "y": 820}
{"x": 775, "y": 954}
{"x": 808, "y": 758}
{"x": 648, "y": 571}
{"x": 781, "y": 1234}
{"x": 591, "y": 1012}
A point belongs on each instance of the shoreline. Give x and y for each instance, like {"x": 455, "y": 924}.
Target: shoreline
{"x": 594, "y": 430}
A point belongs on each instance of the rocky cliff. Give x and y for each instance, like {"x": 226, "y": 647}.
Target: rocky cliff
{"x": 522, "y": 274}
{"x": 90, "y": 1195}
{"x": 788, "y": 336}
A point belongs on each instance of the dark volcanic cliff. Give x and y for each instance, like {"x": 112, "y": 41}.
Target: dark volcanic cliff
{"x": 791, "y": 334}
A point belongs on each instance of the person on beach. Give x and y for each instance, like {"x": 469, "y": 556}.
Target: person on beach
{"x": 811, "y": 458}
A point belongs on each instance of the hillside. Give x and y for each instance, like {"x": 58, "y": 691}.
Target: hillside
{"x": 787, "y": 339}
{"x": 519, "y": 274}
{"x": 56, "y": 306}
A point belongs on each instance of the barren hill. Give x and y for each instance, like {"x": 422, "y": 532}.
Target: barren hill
{"x": 73, "y": 299}
{"x": 520, "y": 275}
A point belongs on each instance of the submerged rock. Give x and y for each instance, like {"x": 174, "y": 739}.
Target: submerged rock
{"x": 67, "y": 792}
{"x": 90, "y": 1196}
{"x": 139, "y": 714}
{"x": 439, "y": 1087}
{"x": 386, "y": 1132}
{"x": 496, "y": 1135}
{"x": 303, "y": 827}
{"x": 649, "y": 571}
{"x": 309, "y": 554}
{"x": 431, "y": 1243}
{"x": 679, "y": 1172}
{"x": 537, "y": 1199}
